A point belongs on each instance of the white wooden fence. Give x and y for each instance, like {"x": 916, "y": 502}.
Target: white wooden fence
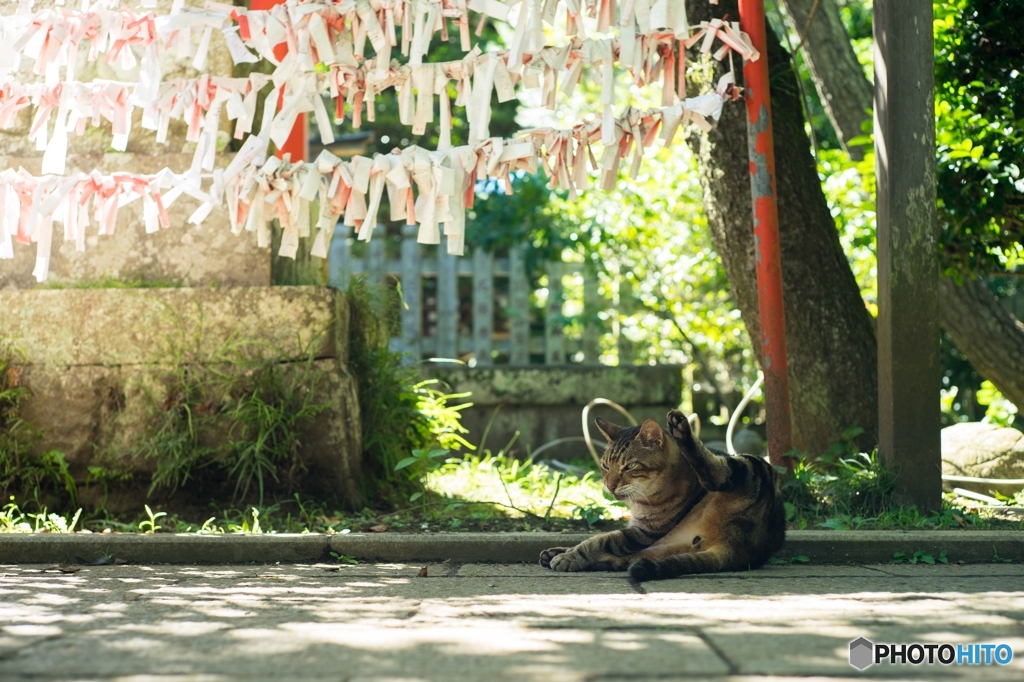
{"x": 436, "y": 293}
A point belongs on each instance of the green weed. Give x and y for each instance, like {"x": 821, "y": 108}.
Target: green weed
{"x": 240, "y": 413}
{"x": 150, "y": 526}
{"x": 400, "y": 412}
{"x": 919, "y": 557}
{"x": 345, "y": 559}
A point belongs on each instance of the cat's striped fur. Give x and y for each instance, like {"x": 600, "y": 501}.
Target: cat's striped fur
{"x": 694, "y": 510}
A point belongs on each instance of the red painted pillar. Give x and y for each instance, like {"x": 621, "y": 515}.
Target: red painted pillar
{"x": 297, "y": 144}
{"x": 766, "y": 234}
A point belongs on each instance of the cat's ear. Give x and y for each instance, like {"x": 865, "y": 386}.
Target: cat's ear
{"x": 651, "y": 435}
{"x": 610, "y": 431}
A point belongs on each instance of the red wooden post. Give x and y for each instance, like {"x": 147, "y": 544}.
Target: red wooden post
{"x": 297, "y": 143}
{"x": 766, "y": 234}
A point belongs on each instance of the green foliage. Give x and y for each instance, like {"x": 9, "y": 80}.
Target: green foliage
{"x": 150, "y": 526}
{"x": 22, "y": 471}
{"x": 1000, "y": 411}
{"x": 392, "y": 426}
{"x": 240, "y": 414}
{"x": 996, "y": 559}
{"x": 527, "y": 216}
{"x": 850, "y": 490}
{"x": 649, "y": 243}
{"x": 592, "y": 513}
{"x": 444, "y": 421}
{"x": 15, "y": 520}
{"x": 419, "y": 465}
{"x": 980, "y": 132}
{"x": 843, "y": 487}
{"x": 345, "y": 559}
{"x": 400, "y": 412}
{"x": 849, "y": 188}
{"x": 529, "y": 488}
{"x": 919, "y": 557}
{"x": 268, "y": 417}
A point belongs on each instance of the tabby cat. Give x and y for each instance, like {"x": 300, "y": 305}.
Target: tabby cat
{"x": 694, "y": 510}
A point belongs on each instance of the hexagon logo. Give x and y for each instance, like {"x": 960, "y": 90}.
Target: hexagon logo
{"x": 862, "y": 653}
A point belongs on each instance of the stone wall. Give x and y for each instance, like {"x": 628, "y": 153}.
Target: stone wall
{"x": 545, "y": 403}
{"x": 101, "y": 365}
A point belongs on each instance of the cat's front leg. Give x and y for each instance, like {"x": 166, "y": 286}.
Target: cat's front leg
{"x": 548, "y": 554}
{"x": 571, "y": 561}
{"x": 605, "y": 552}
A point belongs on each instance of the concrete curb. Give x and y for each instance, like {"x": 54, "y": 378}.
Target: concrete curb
{"x": 821, "y": 547}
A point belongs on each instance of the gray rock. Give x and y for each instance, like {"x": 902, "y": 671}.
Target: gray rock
{"x": 748, "y": 442}
{"x": 983, "y": 451}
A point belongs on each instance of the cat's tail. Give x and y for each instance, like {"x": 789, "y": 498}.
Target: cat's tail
{"x": 706, "y": 561}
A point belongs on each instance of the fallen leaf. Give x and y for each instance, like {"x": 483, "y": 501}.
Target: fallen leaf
{"x": 422, "y": 573}
{"x": 378, "y": 529}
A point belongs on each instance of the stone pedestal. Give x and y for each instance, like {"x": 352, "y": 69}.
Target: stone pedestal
{"x": 545, "y": 403}
{"x": 102, "y": 367}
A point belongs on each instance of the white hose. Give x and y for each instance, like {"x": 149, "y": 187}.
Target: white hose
{"x": 971, "y": 495}
{"x": 693, "y": 419}
{"x": 586, "y": 426}
{"x": 738, "y": 411}
{"x": 975, "y": 479}
{"x": 557, "y": 441}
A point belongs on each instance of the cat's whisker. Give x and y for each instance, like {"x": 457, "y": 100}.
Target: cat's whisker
{"x": 640, "y": 491}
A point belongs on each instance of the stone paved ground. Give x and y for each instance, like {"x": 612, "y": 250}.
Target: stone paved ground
{"x": 492, "y": 622}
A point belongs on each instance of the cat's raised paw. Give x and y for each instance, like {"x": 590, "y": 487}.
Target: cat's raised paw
{"x": 566, "y": 563}
{"x": 643, "y": 569}
{"x": 678, "y": 426}
{"x": 548, "y": 554}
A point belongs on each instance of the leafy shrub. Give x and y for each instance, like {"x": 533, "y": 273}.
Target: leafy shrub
{"x": 400, "y": 412}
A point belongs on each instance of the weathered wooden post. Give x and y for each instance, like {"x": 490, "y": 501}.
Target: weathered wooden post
{"x": 554, "y": 339}
{"x": 908, "y": 268}
{"x": 519, "y": 304}
{"x": 412, "y": 293}
{"x": 483, "y": 306}
{"x": 447, "y": 303}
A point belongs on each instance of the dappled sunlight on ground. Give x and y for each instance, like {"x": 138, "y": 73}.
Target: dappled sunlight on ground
{"x": 490, "y": 622}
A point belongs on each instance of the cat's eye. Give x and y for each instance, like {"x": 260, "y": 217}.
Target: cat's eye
{"x": 629, "y": 467}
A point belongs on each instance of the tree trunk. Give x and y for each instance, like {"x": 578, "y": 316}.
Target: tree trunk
{"x": 986, "y": 333}
{"x": 830, "y": 338}
{"x": 990, "y": 337}
{"x": 838, "y": 77}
